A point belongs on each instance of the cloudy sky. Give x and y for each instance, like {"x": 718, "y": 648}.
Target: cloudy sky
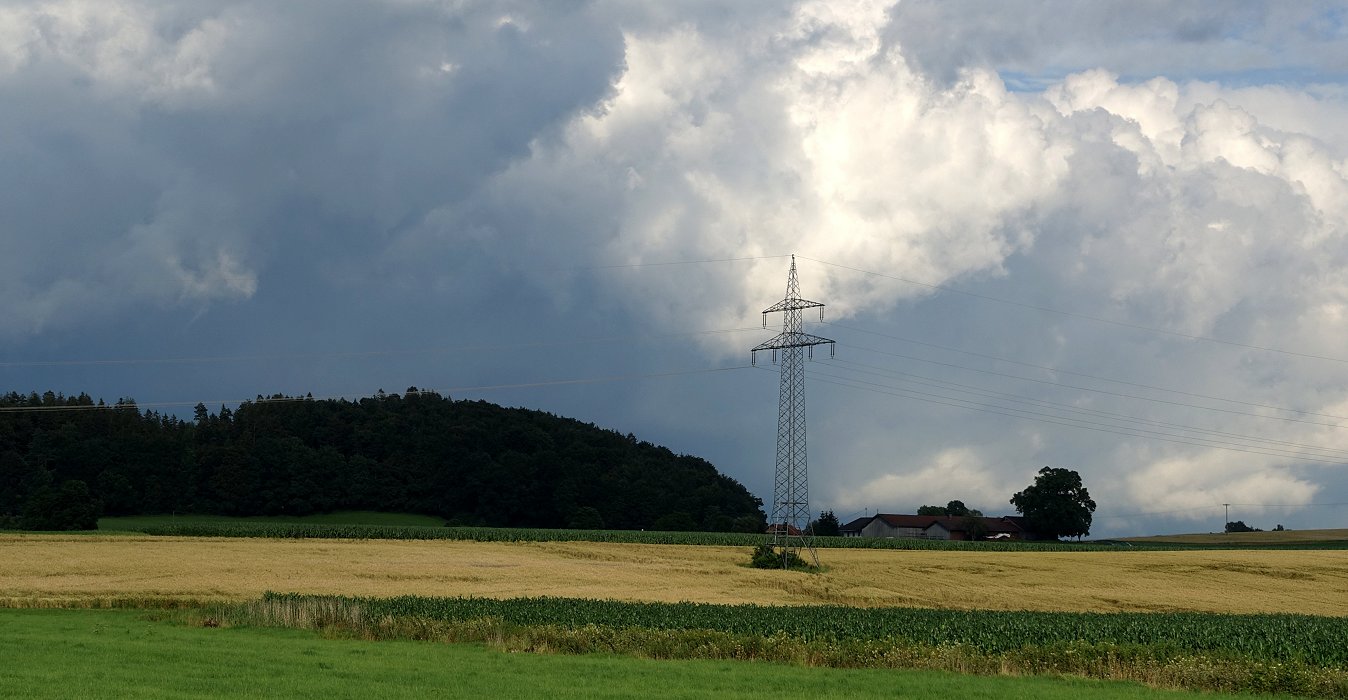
{"x": 1109, "y": 236}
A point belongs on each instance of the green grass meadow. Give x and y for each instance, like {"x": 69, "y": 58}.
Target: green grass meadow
{"x": 120, "y": 653}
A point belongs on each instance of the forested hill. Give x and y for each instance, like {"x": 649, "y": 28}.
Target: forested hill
{"x": 471, "y": 462}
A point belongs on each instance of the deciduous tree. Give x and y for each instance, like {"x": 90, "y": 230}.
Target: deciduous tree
{"x": 1056, "y": 504}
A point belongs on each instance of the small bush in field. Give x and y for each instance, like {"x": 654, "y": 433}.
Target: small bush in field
{"x": 765, "y": 556}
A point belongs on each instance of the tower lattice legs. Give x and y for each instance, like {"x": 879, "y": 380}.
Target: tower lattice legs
{"x": 789, "y": 529}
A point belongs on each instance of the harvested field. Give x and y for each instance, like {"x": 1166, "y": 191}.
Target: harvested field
{"x": 58, "y": 568}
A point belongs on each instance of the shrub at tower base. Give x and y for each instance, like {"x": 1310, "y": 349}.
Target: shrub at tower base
{"x": 766, "y": 556}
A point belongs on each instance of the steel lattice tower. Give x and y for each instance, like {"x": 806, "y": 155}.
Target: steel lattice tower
{"x": 789, "y": 525}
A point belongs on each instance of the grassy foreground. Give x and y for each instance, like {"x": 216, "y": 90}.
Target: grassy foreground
{"x": 115, "y": 654}
{"x": 78, "y": 567}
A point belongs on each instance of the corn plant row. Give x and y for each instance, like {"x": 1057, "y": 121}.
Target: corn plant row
{"x": 501, "y": 534}
{"x": 1319, "y": 641}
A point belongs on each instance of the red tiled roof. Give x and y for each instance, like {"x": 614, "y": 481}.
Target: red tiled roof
{"x": 917, "y": 521}
{"x": 858, "y": 524}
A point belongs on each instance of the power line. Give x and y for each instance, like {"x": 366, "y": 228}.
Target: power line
{"x": 1053, "y": 420}
{"x": 1074, "y": 314}
{"x": 1213, "y": 506}
{"x": 1100, "y": 391}
{"x": 667, "y": 263}
{"x": 594, "y": 380}
{"x": 374, "y": 353}
{"x": 359, "y": 395}
{"x": 1159, "y": 512}
{"x": 979, "y": 391}
{"x": 1059, "y": 370}
{"x": 1002, "y": 396}
{"x": 1104, "y": 427}
{"x": 1290, "y": 505}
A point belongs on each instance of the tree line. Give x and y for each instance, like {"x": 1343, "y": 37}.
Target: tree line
{"x": 64, "y": 460}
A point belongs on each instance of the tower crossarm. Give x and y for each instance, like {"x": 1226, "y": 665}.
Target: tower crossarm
{"x": 791, "y": 340}
{"x": 790, "y": 304}
{"x": 785, "y": 340}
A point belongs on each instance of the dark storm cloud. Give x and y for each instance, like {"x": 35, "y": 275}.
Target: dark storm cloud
{"x": 191, "y": 154}
{"x": 442, "y": 190}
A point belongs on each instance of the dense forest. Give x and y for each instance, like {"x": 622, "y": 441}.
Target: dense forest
{"x": 65, "y": 460}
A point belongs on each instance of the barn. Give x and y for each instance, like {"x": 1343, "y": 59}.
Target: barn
{"x": 939, "y": 527}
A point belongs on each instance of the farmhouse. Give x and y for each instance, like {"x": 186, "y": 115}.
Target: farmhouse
{"x": 939, "y": 527}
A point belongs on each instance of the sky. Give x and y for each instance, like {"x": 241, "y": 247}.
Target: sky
{"x": 1106, "y": 236}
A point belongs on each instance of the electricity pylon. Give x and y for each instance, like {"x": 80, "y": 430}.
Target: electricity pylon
{"x": 789, "y": 526}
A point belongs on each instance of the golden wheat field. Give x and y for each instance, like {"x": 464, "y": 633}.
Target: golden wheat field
{"x": 51, "y": 569}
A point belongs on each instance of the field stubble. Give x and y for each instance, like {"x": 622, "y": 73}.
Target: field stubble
{"x": 52, "y": 569}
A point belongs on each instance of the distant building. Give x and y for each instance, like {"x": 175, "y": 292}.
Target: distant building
{"x": 939, "y": 527}
{"x": 887, "y": 525}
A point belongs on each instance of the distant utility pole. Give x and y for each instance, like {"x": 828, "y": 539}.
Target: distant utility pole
{"x": 788, "y": 528}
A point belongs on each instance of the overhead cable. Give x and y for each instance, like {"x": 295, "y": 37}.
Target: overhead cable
{"x": 1100, "y": 391}
{"x": 375, "y": 353}
{"x": 1049, "y": 419}
{"x": 1075, "y": 314}
{"x": 1002, "y": 396}
{"x": 662, "y": 263}
{"x": 359, "y": 395}
{"x": 1059, "y": 370}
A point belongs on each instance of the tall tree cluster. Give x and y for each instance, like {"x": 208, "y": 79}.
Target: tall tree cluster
{"x": 471, "y": 462}
{"x": 953, "y": 508}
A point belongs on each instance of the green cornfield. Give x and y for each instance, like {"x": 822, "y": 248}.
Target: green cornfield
{"x": 501, "y": 534}
{"x": 1317, "y": 641}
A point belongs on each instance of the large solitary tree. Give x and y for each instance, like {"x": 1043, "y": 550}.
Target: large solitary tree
{"x": 1056, "y": 504}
